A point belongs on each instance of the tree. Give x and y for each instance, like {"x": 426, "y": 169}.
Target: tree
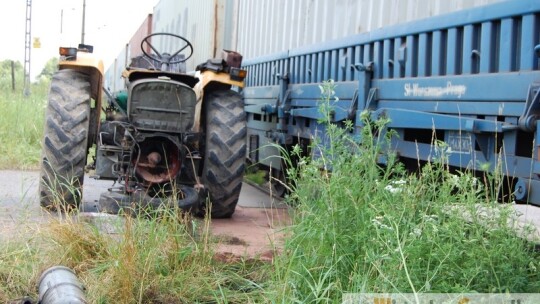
{"x": 49, "y": 69}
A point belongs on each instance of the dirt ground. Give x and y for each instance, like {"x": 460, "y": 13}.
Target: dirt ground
{"x": 251, "y": 233}
{"x": 254, "y": 231}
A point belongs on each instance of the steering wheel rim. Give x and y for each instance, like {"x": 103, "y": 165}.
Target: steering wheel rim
{"x": 161, "y": 58}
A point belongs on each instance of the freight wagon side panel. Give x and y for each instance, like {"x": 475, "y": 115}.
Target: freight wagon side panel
{"x": 470, "y": 79}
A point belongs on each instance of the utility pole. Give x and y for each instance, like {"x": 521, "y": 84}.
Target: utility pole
{"x": 27, "y": 48}
{"x": 83, "y": 21}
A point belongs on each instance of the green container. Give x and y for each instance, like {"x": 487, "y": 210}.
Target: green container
{"x": 121, "y": 98}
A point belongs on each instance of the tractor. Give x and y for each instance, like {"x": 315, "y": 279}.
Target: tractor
{"x": 171, "y": 139}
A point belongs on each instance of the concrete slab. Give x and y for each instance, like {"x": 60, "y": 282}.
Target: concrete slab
{"x": 254, "y": 197}
{"x": 529, "y": 215}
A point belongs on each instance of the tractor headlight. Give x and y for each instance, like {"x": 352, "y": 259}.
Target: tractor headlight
{"x": 68, "y": 53}
{"x": 238, "y": 74}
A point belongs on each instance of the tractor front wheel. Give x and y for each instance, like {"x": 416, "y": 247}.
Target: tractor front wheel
{"x": 65, "y": 140}
{"x": 225, "y": 151}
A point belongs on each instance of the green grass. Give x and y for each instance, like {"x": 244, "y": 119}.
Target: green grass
{"x": 257, "y": 177}
{"x": 367, "y": 228}
{"x": 21, "y": 127}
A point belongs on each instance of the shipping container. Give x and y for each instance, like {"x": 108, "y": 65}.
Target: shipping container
{"x": 113, "y": 76}
{"x": 256, "y": 28}
{"x": 209, "y": 25}
{"x": 135, "y": 42}
{"x": 270, "y": 26}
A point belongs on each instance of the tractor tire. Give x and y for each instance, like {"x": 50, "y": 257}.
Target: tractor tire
{"x": 189, "y": 200}
{"x": 225, "y": 151}
{"x": 64, "y": 148}
{"x": 114, "y": 202}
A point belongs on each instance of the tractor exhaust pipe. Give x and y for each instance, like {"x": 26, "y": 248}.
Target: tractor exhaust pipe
{"x": 58, "y": 285}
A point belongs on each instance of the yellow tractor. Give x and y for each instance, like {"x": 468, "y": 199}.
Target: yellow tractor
{"x": 170, "y": 139}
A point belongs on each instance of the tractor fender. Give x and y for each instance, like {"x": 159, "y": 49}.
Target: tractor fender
{"x": 90, "y": 65}
{"x": 209, "y": 79}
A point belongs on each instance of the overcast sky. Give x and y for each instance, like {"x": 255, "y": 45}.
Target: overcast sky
{"x": 109, "y": 26}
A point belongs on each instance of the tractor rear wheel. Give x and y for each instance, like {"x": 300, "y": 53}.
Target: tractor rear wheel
{"x": 225, "y": 151}
{"x": 65, "y": 140}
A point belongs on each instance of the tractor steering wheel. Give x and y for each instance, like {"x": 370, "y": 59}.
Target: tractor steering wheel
{"x": 165, "y": 58}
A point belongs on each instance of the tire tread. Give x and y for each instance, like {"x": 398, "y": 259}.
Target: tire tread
{"x": 65, "y": 139}
{"x": 225, "y": 151}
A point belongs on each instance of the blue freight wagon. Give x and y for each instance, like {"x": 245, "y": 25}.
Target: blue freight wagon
{"x": 470, "y": 79}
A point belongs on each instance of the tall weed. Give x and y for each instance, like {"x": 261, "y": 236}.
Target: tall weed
{"x": 363, "y": 227}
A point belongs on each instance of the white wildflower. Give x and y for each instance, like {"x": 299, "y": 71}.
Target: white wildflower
{"x": 392, "y": 189}
{"x": 416, "y": 232}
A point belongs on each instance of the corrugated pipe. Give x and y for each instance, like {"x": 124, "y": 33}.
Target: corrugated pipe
{"x": 58, "y": 285}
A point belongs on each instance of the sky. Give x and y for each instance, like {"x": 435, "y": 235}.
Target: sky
{"x": 109, "y": 25}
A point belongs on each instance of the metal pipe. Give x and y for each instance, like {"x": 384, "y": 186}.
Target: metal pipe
{"x": 83, "y": 20}
{"x": 58, "y": 285}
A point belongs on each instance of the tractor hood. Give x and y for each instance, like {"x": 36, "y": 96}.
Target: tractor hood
{"x": 161, "y": 104}
{"x": 134, "y": 75}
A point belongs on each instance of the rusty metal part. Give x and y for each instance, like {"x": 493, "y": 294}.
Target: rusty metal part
{"x": 154, "y": 159}
{"x": 158, "y": 160}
